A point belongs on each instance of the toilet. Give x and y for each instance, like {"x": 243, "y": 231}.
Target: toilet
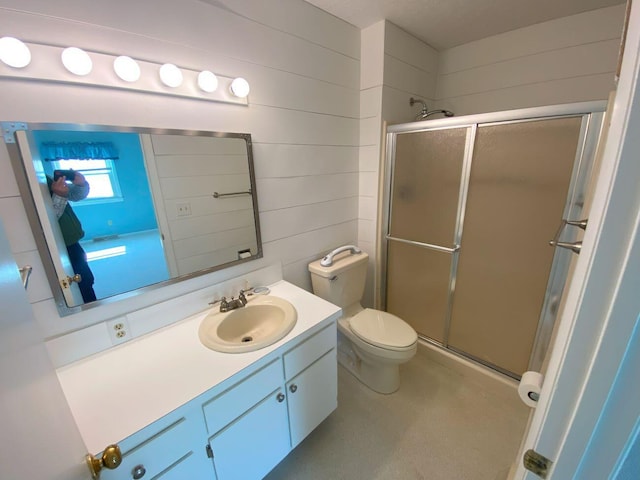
{"x": 371, "y": 344}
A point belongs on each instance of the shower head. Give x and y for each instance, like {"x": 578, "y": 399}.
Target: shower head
{"x": 425, "y": 112}
{"x": 447, "y": 113}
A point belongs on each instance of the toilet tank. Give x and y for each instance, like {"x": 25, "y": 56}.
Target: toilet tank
{"x": 343, "y": 282}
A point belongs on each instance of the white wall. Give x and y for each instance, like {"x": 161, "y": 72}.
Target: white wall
{"x": 410, "y": 70}
{"x": 197, "y": 228}
{"x": 567, "y": 60}
{"x": 371, "y": 91}
{"x": 304, "y": 70}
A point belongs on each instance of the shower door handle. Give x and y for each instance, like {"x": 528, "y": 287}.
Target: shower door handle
{"x": 575, "y": 247}
{"x": 578, "y": 223}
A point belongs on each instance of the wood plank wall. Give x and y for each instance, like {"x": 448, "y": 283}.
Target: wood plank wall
{"x": 200, "y": 230}
{"x": 303, "y": 113}
{"x": 571, "y": 59}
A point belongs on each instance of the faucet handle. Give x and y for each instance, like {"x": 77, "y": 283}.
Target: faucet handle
{"x": 222, "y": 301}
{"x": 242, "y": 298}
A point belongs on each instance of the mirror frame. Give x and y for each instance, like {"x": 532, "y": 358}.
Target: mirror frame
{"x": 16, "y": 158}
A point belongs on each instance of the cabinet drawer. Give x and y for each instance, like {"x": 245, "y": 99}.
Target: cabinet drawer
{"x": 309, "y": 351}
{"x": 187, "y": 467}
{"x": 158, "y": 454}
{"x": 230, "y": 404}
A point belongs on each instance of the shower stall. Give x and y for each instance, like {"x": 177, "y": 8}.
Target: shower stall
{"x": 470, "y": 206}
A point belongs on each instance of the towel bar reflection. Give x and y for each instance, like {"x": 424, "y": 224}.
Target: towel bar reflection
{"x": 218, "y": 195}
{"x": 25, "y": 273}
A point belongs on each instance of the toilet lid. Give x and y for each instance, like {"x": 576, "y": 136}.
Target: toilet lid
{"x": 382, "y": 329}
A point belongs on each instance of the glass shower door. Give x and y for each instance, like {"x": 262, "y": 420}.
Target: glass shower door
{"x": 472, "y": 209}
{"x": 519, "y": 182}
{"x": 423, "y": 234}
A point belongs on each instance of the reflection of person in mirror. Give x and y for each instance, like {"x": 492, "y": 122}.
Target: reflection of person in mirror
{"x": 63, "y": 191}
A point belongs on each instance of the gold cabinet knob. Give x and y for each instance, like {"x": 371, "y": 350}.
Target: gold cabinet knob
{"x": 111, "y": 458}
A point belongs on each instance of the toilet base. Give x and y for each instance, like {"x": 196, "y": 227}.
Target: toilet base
{"x": 379, "y": 377}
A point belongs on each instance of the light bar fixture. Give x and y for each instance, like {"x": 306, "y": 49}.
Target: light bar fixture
{"x": 240, "y": 87}
{"x": 77, "y": 61}
{"x": 126, "y": 68}
{"x": 207, "y": 81}
{"x": 171, "y": 75}
{"x": 19, "y": 60}
{"x": 14, "y": 53}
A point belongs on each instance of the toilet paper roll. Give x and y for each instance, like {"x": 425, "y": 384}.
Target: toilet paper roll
{"x": 529, "y": 388}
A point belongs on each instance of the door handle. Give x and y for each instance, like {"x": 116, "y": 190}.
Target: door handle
{"x": 25, "y": 273}
{"x": 111, "y": 458}
{"x": 578, "y": 223}
{"x": 66, "y": 282}
{"x": 575, "y": 247}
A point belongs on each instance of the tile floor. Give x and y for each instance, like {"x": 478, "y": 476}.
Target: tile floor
{"x": 443, "y": 424}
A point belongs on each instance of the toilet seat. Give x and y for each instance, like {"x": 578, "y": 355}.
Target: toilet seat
{"x": 383, "y": 330}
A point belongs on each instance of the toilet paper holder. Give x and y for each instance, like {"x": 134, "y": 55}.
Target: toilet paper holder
{"x": 529, "y": 388}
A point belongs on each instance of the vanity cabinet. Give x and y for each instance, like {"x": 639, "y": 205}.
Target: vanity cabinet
{"x": 244, "y": 430}
{"x": 258, "y": 421}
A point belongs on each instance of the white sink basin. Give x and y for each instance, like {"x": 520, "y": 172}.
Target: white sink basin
{"x": 264, "y": 320}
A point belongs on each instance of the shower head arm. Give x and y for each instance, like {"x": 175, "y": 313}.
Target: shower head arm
{"x": 413, "y": 101}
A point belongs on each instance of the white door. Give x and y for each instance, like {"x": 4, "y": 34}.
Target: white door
{"x": 38, "y": 436}
{"x": 592, "y": 347}
{"x": 151, "y": 166}
{"x": 53, "y": 235}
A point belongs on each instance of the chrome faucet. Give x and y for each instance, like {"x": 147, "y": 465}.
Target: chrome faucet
{"x": 226, "y": 305}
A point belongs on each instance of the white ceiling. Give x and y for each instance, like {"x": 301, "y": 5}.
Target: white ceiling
{"x": 447, "y": 23}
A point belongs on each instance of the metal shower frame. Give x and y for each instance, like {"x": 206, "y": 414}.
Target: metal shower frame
{"x": 592, "y": 118}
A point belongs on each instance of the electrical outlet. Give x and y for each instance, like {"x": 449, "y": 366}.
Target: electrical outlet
{"x": 184, "y": 209}
{"x": 119, "y": 331}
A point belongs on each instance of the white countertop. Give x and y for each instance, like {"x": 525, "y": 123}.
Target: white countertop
{"x": 118, "y": 392}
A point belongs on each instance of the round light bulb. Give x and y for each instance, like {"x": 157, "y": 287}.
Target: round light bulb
{"x": 240, "y": 87}
{"x": 77, "y": 61}
{"x": 207, "y": 81}
{"x": 14, "y": 53}
{"x": 170, "y": 75}
{"x": 126, "y": 68}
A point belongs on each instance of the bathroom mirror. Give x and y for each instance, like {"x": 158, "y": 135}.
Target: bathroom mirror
{"x": 163, "y": 205}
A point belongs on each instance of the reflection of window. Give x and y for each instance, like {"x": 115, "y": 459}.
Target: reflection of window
{"x": 107, "y": 253}
{"x": 101, "y": 175}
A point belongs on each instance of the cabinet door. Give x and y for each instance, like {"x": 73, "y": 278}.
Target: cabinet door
{"x": 172, "y": 447}
{"x": 312, "y": 396}
{"x": 253, "y": 444}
